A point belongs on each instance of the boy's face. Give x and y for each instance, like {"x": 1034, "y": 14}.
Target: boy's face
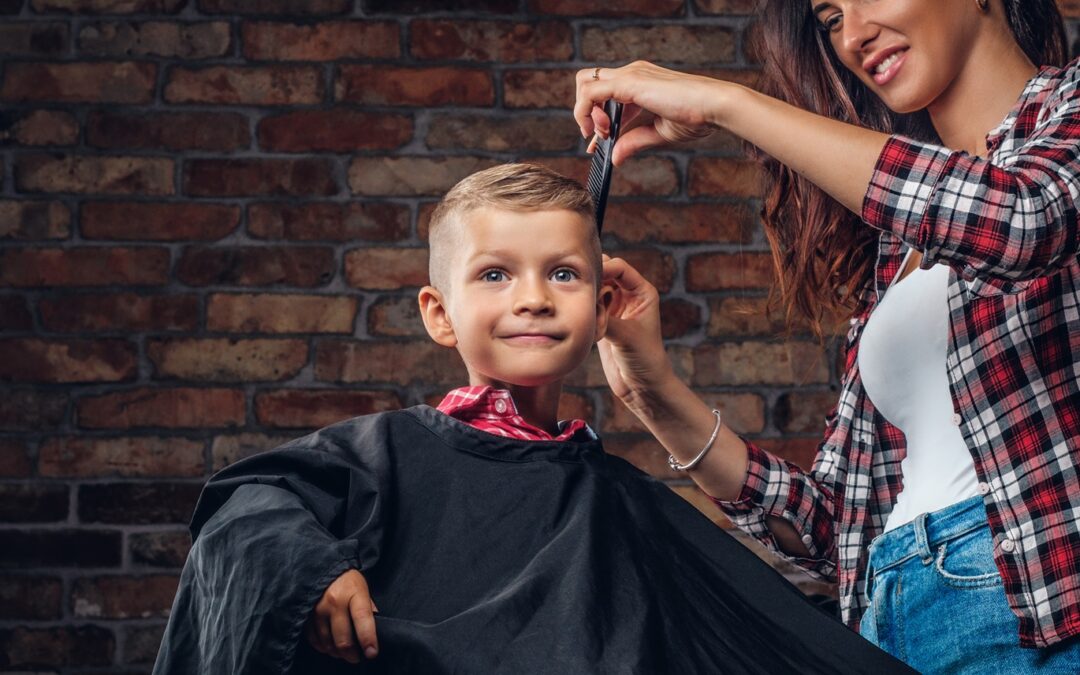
{"x": 522, "y": 306}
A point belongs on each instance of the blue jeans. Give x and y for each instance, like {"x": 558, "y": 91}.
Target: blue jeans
{"x": 937, "y": 601}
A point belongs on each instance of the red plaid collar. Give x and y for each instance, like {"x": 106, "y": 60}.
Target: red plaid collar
{"x": 492, "y": 410}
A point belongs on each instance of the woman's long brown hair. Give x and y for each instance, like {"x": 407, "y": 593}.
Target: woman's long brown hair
{"x": 823, "y": 254}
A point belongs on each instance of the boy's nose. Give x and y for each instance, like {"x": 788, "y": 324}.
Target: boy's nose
{"x": 533, "y": 298}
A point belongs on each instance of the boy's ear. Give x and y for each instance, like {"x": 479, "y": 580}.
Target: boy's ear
{"x": 603, "y": 305}
{"x": 436, "y": 317}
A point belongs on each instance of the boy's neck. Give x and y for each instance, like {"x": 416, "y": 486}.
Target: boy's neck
{"x": 539, "y": 406}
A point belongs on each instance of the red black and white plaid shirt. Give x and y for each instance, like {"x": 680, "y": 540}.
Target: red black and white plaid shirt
{"x": 493, "y": 410}
{"x": 1007, "y": 226}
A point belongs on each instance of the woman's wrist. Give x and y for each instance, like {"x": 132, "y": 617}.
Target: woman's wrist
{"x": 726, "y": 98}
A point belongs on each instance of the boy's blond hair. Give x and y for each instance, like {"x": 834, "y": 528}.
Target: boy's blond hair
{"x": 511, "y": 187}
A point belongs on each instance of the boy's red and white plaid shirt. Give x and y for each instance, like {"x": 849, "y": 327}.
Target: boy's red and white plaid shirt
{"x": 1007, "y": 225}
{"x": 493, "y": 410}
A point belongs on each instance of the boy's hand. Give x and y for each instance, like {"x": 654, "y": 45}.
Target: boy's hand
{"x": 343, "y": 624}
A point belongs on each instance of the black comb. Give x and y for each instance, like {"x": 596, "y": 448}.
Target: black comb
{"x": 601, "y": 168}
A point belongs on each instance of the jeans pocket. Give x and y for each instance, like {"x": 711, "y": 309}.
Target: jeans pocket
{"x": 967, "y": 561}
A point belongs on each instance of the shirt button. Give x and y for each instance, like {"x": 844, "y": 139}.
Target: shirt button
{"x": 984, "y": 489}
{"x": 968, "y": 273}
{"x": 807, "y": 539}
{"x": 500, "y": 406}
{"x": 956, "y": 419}
{"x": 1008, "y": 545}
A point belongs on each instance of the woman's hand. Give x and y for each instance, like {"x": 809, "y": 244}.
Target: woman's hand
{"x": 632, "y": 350}
{"x": 343, "y": 623}
{"x": 662, "y": 106}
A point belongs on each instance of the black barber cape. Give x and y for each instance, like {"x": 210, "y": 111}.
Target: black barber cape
{"x": 484, "y": 555}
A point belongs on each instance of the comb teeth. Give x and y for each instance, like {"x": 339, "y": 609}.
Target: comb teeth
{"x": 600, "y": 169}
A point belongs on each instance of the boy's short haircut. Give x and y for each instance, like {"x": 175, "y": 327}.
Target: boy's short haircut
{"x": 510, "y": 187}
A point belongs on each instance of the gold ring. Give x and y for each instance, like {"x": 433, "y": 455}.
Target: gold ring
{"x": 596, "y": 73}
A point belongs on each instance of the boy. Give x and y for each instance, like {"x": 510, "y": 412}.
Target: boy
{"x": 493, "y": 538}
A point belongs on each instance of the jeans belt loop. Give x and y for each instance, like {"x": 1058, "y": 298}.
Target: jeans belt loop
{"x": 921, "y": 540}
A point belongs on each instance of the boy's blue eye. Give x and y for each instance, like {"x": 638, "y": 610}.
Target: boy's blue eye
{"x": 564, "y": 274}
{"x": 493, "y": 275}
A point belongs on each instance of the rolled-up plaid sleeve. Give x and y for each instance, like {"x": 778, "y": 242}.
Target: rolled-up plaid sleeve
{"x": 1014, "y": 220}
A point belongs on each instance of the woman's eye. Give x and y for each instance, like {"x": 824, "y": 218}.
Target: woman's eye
{"x": 831, "y": 23}
{"x": 564, "y": 275}
{"x": 493, "y": 275}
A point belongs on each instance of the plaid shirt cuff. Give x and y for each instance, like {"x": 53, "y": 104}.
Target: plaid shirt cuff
{"x": 901, "y": 192}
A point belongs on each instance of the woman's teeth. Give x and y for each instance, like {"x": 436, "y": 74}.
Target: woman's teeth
{"x": 884, "y": 65}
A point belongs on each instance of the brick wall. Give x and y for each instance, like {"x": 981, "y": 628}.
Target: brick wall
{"x": 212, "y": 227}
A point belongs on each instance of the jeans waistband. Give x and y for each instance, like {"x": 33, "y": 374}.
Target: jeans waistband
{"x": 921, "y": 536}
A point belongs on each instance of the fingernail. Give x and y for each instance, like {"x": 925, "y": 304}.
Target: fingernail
{"x": 584, "y": 134}
{"x": 592, "y": 144}
{"x": 371, "y": 652}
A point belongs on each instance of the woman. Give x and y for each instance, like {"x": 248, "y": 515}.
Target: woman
{"x": 945, "y": 498}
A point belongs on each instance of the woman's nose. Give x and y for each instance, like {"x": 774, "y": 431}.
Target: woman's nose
{"x": 859, "y": 29}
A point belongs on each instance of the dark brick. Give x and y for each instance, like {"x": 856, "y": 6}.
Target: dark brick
{"x": 59, "y": 548}
{"x": 119, "y": 82}
{"x": 146, "y": 221}
{"x": 679, "y": 318}
{"x": 95, "y": 175}
{"x": 403, "y": 86}
{"x": 32, "y": 409}
{"x": 256, "y": 266}
{"x": 176, "y": 408}
{"x": 324, "y": 41}
{"x": 97, "y": 266}
{"x": 38, "y": 127}
{"x": 123, "y": 597}
{"x": 350, "y": 221}
{"x": 241, "y": 177}
{"x": 169, "y": 39}
{"x": 500, "y": 41}
{"x": 341, "y": 131}
{"x": 285, "y": 7}
{"x": 10, "y": 6}
{"x": 23, "y": 503}
{"x": 119, "y": 312}
{"x": 23, "y": 648}
{"x": 15, "y": 313}
{"x": 313, "y": 408}
{"x": 142, "y": 643}
{"x": 245, "y": 85}
{"x": 30, "y": 597}
{"x": 15, "y": 459}
{"x": 34, "y": 220}
{"x": 218, "y": 132}
{"x": 109, "y": 6}
{"x": 68, "y": 361}
{"x": 159, "y": 549}
{"x": 425, "y": 6}
{"x": 33, "y": 39}
{"x": 138, "y": 504}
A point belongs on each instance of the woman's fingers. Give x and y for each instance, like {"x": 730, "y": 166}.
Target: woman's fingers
{"x": 634, "y": 141}
{"x": 623, "y": 275}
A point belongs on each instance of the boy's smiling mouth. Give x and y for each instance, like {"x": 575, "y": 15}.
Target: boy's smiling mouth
{"x": 530, "y": 339}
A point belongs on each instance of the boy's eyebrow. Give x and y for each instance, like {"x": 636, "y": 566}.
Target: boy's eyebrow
{"x": 511, "y": 253}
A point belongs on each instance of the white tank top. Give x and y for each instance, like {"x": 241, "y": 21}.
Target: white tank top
{"x": 902, "y": 363}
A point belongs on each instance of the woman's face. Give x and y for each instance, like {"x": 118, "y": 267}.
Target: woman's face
{"x": 909, "y": 52}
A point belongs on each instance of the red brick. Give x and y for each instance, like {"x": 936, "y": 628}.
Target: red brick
{"x": 723, "y": 271}
{"x": 159, "y": 549}
{"x": 679, "y": 318}
{"x": 725, "y": 7}
{"x": 722, "y": 177}
{"x": 161, "y": 221}
{"x": 313, "y": 408}
{"x": 39, "y": 127}
{"x": 83, "y": 266}
{"x": 28, "y": 503}
{"x": 32, "y": 410}
{"x": 15, "y": 314}
{"x": 68, "y": 361}
{"x": 395, "y": 317}
{"x": 740, "y": 316}
{"x": 33, "y": 39}
{"x": 549, "y": 88}
{"x": 242, "y": 177}
{"x": 287, "y": 7}
{"x": 219, "y": 132}
{"x": 256, "y": 266}
{"x": 403, "y": 86}
{"x": 705, "y": 45}
{"x": 399, "y": 363}
{"x": 245, "y": 85}
{"x": 519, "y": 132}
{"x": 386, "y": 268}
{"x": 232, "y": 448}
{"x": 29, "y": 549}
{"x": 118, "y": 597}
{"x": 227, "y": 360}
{"x": 119, "y": 312}
{"x": 111, "y": 82}
{"x": 329, "y": 221}
{"x": 14, "y": 459}
{"x": 174, "y": 408}
{"x": 500, "y": 41}
{"x": 748, "y": 363}
{"x": 656, "y": 266}
{"x": 30, "y": 597}
{"x": 156, "y": 38}
{"x": 801, "y": 451}
{"x": 80, "y": 457}
{"x": 411, "y": 176}
{"x": 325, "y": 41}
{"x": 623, "y": 8}
{"x": 645, "y": 176}
{"x": 635, "y": 222}
{"x": 428, "y": 6}
{"x": 341, "y": 131}
{"x": 803, "y": 411}
{"x": 34, "y": 220}
{"x": 52, "y": 647}
{"x": 281, "y": 313}
{"x": 94, "y": 175}
{"x": 137, "y": 503}
{"x": 109, "y": 6}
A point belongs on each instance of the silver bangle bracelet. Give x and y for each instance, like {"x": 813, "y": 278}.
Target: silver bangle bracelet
{"x": 674, "y": 463}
